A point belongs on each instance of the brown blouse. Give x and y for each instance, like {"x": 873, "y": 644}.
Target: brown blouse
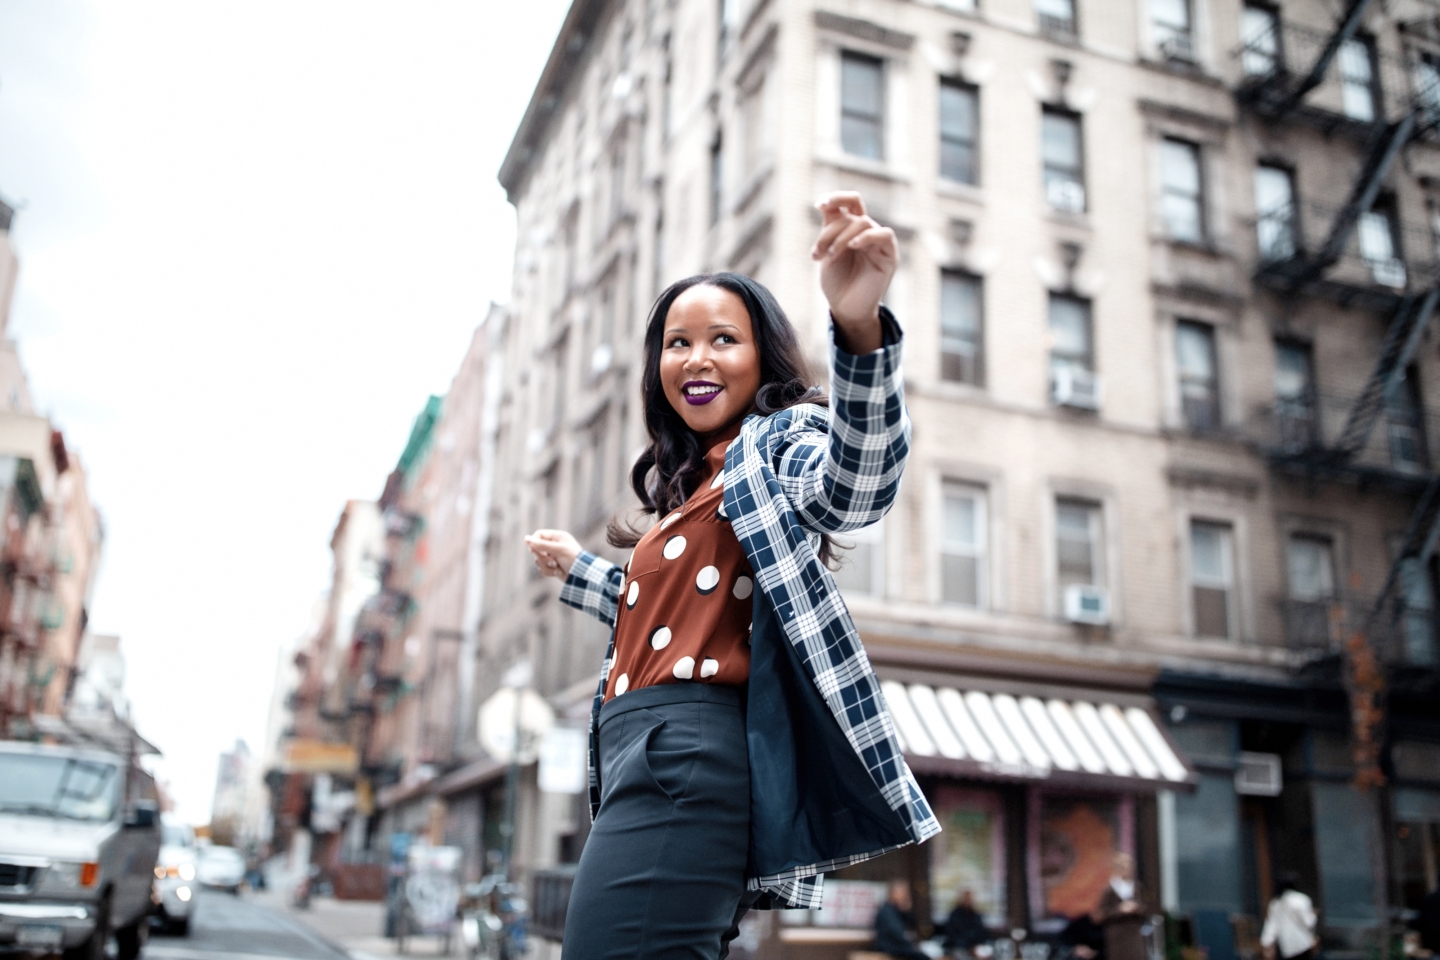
{"x": 685, "y": 600}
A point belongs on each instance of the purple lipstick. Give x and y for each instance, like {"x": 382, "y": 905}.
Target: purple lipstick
{"x": 697, "y": 392}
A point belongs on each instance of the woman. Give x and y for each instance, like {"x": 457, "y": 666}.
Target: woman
{"x": 740, "y": 746}
{"x": 1121, "y": 913}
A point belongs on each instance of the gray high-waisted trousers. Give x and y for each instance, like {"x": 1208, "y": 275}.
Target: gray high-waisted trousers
{"x": 662, "y": 874}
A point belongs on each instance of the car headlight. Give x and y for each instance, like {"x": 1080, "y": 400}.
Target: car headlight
{"x": 187, "y": 871}
{"x": 69, "y": 875}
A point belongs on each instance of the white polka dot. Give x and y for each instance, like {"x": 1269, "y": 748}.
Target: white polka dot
{"x": 708, "y": 668}
{"x": 719, "y": 479}
{"x": 707, "y": 579}
{"x": 622, "y": 684}
{"x": 622, "y": 583}
{"x": 665, "y": 524}
{"x": 673, "y": 547}
{"x": 749, "y": 635}
{"x": 684, "y": 668}
{"x": 659, "y": 638}
{"x": 633, "y": 595}
{"x": 744, "y": 586}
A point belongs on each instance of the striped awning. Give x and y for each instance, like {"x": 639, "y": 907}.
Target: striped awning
{"x": 998, "y": 735}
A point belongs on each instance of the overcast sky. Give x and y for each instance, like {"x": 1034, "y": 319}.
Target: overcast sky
{"x": 254, "y": 236}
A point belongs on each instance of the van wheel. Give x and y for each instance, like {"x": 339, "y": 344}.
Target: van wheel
{"x": 94, "y": 947}
{"x": 131, "y": 940}
{"x": 181, "y": 927}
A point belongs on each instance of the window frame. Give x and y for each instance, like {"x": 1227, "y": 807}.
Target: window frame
{"x": 977, "y": 358}
{"x": 1095, "y": 514}
{"x": 848, "y": 55}
{"x": 1292, "y": 221}
{"x": 1370, "y": 85}
{"x": 1194, "y": 150}
{"x": 873, "y": 537}
{"x": 1276, "y": 56}
{"x": 1308, "y": 403}
{"x": 1227, "y": 582}
{"x": 1208, "y": 331}
{"x": 973, "y": 144}
{"x": 979, "y": 551}
{"x": 1049, "y": 172}
{"x": 1162, "y": 33}
{"x": 1088, "y": 364}
{"x": 1052, "y": 25}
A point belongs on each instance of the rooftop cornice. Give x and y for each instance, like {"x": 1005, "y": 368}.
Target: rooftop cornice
{"x": 572, "y": 47}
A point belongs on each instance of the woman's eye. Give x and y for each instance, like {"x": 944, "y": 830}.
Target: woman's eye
{"x": 725, "y": 338}
{"x": 678, "y": 342}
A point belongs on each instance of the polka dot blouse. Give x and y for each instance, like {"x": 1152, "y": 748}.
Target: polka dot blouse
{"x": 685, "y": 600}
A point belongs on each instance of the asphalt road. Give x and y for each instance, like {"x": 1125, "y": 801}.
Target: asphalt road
{"x": 226, "y": 927}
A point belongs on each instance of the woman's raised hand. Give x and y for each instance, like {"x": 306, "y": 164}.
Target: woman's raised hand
{"x": 554, "y": 550}
{"x": 857, "y": 259}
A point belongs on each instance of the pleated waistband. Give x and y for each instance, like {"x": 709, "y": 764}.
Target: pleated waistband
{"x": 647, "y": 698}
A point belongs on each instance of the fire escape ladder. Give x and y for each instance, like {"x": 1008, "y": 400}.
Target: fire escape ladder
{"x": 1401, "y": 342}
{"x": 1345, "y": 31}
{"x": 1421, "y": 539}
{"x": 1362, "y": 197}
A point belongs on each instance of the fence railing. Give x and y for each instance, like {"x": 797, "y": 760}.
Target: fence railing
{"x": 550, "y": 900}
{"x": 1397, "y": 441}
{"x": 1400, "y": 632}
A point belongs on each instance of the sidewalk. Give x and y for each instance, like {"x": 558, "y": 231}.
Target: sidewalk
{"x": 356, "y": 926}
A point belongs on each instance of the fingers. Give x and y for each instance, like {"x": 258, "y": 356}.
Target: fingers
{"x": 876, "y": 241}
{"x": 847, "y": 201}
{"x": 848, "y": 231}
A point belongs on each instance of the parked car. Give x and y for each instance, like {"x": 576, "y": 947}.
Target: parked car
{"x": 79, "y": 836}
{"x": 175, "y": 882}
{"x": 221, "y": 867}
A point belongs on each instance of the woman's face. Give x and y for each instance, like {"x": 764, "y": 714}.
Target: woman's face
{"x": 709, "y": 362}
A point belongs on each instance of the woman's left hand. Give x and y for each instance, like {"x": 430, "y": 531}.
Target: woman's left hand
{"x": 857, "y": 258}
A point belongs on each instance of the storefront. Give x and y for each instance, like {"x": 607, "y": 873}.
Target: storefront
{"x": 1037, "y": 786}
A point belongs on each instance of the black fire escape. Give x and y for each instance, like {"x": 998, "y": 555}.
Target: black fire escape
{"x": 1287, "y": 68}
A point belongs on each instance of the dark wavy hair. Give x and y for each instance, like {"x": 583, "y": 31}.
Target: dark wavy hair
{"x": 670, "y": 467}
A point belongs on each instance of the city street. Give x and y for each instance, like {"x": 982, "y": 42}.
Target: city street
{"x": 261, "y": 926}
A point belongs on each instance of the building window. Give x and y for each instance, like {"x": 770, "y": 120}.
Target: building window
{"x": 1070, "y": 334}
{"x": 961, "y": 328}
{"x": 1056, "y": 17}
{"x": 757, "y": 126}
{"x": 1079, "y": 554}
{"x": 1199, "y": 378}
{"x": 1274, "y": 213}
{"x": 1181, "y": 203}
{"x": 1405, "y": 424}
{"x": 1426, "y": 77}
{"x": 1212, "y": 578}
{"x": 1358, "y": 91}
{"x": 717, "y": 179}
{"x": 1061, "y": 147}
{"x": 862, "y": 105}
{"x": 617, "y": 180}
{"x": 1170, "y": 19}
{"x": 1294, "y": 397}
{"x": 1379, "y": 244}
{"x": 1417, "y": 585}
{"x": 862, "y": 570}
{"x": 1311, "y": 563}
{"x": 963, "y": 545}
{"x": 1259, "y": 41}
{"x": 959, "y": 130}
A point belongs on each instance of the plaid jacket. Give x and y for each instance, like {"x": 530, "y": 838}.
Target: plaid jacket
{"x": 790, "y": 477}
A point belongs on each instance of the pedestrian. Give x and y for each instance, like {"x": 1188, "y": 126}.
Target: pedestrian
{"x": 1085, "y": 936}
{"x": 892, "y": 920}
{"x": 964, "y": 928}
{"x": 1121, "y": 913}
{"x": 1289, "y": 930}
{"x": 1427, "y": 922}
{"x": 738, "y": 720}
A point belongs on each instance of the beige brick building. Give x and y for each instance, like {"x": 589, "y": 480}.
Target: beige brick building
{"x": 1166, "y": 283}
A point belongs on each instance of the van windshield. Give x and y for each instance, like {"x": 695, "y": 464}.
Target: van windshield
{"x": 65, "y": 787}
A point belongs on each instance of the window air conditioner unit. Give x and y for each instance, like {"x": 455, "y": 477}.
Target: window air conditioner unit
{"x": 1389, "y": 272}
{"x": 1065, "y": 195}
{"x": 1085, "y": 603}
{"x": 1258, "y": 775}
{"x": 1076, "y": 387}
{"x": 1178, "y": 47}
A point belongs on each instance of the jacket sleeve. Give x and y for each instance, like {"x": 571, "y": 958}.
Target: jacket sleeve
{"x": 848, "y": 478}
{"x": 593, "y": 586}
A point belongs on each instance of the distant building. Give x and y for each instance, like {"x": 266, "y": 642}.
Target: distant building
{"x": 233, "y": 784}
